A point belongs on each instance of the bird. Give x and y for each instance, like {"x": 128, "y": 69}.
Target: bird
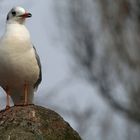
{"x": 20, "y": 66}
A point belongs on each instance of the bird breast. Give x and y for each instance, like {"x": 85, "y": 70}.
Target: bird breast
{"x": 18, "y": 63}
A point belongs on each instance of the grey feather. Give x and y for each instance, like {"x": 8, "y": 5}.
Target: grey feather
{"x": 40, "y": 70}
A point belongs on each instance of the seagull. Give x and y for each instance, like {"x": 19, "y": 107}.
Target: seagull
{"x": 20, "y": 67}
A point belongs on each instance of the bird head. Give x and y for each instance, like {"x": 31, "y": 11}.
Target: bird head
{"x": 18, "y": 15}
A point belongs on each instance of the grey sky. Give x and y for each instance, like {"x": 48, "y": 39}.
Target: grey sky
{"x": 48, "y": 40}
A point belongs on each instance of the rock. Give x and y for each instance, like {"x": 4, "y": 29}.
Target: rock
{"x": 34, "y": 123}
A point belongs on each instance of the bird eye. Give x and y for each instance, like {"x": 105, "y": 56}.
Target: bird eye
{"x": 13, "y": 13}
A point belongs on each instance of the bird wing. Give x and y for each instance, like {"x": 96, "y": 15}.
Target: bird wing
{"x": 40, "y": 69}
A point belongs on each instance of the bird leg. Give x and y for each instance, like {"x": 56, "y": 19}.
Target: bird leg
{"x": 25, "y": 93}
{"x": 7, "y": 98}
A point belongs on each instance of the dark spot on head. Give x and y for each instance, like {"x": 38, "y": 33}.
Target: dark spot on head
{"x": 7, "y": 17}
{"x": 13, "y": 13}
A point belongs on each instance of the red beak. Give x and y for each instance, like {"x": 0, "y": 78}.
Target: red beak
{"x": 26, "y": 15}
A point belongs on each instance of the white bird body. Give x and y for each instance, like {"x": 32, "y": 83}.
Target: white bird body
{"x": 17, "y": 57}
{"x": 18, "y": 63}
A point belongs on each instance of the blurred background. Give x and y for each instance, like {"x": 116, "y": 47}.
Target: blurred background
{"x": 90, "y": 54}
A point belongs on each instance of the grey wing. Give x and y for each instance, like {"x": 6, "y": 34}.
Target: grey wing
{"x": 36, "y": 84}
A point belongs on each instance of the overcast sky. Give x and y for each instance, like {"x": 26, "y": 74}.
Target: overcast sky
{"x": 48, "y": 40}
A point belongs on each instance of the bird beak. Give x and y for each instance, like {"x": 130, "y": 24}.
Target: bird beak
{"x": 26, "y": 15}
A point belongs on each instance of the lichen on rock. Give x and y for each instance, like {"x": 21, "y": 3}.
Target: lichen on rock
{"x": 34, "y": 123}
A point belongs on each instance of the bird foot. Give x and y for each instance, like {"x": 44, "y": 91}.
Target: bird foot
{"x": 23, "y": 104}
{"x": 7, "y": 107}
{"x": 27, "y": 104}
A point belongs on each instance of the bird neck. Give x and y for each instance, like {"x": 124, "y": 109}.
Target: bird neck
{"x": 17, "y": 30}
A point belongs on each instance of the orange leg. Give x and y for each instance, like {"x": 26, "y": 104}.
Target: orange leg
{"x": 7, "y": 98}
{"x": 25, "y": 94}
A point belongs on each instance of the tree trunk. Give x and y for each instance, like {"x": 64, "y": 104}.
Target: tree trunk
{"x": 34, "y": 123}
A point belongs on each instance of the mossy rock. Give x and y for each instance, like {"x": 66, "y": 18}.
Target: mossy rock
{"x": 34, "y": 123}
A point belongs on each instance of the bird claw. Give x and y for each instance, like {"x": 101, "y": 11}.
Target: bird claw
{"x": 7, "y": 107}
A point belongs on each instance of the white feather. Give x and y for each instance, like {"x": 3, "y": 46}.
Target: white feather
{"x": 17, "y": 62}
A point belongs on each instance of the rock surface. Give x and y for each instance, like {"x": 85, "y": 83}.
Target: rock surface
{"x": 34, "y": 123}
